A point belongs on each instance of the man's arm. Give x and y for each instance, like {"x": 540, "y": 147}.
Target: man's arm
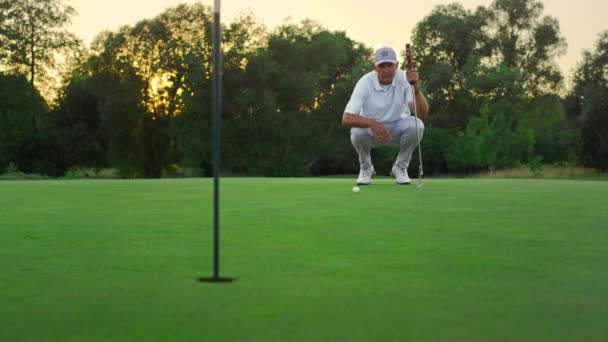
{"x": 421, "y": 105}
{"x": 352, "y": 120}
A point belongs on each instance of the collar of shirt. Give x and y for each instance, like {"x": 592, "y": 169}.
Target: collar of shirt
{"x": 378, "y": 86}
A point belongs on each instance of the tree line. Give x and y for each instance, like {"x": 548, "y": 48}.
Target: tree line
{"x": 139, "y": 99}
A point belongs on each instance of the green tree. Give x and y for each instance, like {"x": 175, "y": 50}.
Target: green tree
{"x": 77, "y": 123}
{"x": 500, "y": 59}
{"x": 294, "y": 93}
{"x": 522, "y": 38}
{"x": 16, "y": 128}
{"x": 590, "y": 97}
{"x": 33, "y": 33}
{"x": 19, "y": 144}
{"x": 150, "y": 87}
{"x": 444, "y": 43}
{"x": 497, "y": 88}
{"x": 512, "y": 33}
{"x": 490, "y": 142}
{"x": 556, "y": 137}
{"x": 14, "y": 100}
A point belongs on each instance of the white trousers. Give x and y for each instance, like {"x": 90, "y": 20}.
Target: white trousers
{"x": 403, "y": 134}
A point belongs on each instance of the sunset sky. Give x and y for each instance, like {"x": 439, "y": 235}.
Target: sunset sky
{"x": 376, "y": 23}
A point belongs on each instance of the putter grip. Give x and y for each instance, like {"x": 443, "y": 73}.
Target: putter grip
{"x": 409, "y": 59}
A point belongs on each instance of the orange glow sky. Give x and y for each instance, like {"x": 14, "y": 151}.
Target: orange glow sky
{"x": 376, "y": 23}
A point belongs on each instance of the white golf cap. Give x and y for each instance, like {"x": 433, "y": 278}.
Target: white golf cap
{"x": 385, "y": 55}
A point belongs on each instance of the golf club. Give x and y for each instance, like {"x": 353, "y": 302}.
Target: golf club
{"x": 410, "y": 65}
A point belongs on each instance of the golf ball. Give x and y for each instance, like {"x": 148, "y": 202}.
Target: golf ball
{"x": 356, "y": 189}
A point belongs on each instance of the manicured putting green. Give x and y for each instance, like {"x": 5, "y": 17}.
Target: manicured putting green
{"x": 460, "y": 259}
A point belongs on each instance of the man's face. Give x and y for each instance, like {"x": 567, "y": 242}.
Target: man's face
{"x": 386, "y": 72}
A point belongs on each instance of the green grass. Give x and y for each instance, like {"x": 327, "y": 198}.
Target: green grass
{"x": 547, "y": 172}
{"x": 467, "y": 259}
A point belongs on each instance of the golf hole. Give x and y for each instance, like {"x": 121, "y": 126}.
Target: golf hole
{"x": 220, "y": 280}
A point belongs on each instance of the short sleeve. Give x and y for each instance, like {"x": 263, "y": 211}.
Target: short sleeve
{"x": 357, "y": 99}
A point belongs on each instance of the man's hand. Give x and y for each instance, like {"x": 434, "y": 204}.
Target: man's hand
{"x": 422, "y": 106}
{"x": 412, "y": 76}
{"x": 381, "y": 133}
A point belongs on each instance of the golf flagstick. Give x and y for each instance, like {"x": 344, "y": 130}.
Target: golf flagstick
{"x": 410, "y": 65}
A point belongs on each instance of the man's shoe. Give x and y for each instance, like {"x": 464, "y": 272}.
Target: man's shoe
{"x": 400, "y": 175}
{"x": 365, "y": 176}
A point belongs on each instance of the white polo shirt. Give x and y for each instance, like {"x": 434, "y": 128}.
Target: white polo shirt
{"x": 381, "y": 103}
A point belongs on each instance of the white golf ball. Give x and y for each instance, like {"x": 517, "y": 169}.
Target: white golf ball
{"x": 356, "y": 189}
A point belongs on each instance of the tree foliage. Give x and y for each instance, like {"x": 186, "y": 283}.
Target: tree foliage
{"x": 20, "y": 143}
{"x": 140, "y": 99}
{"x": 33, "y": 31}
{"x": 495, "y": 61}
{"x": 521, "y": 37}
{"x": 590, "y": 98}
